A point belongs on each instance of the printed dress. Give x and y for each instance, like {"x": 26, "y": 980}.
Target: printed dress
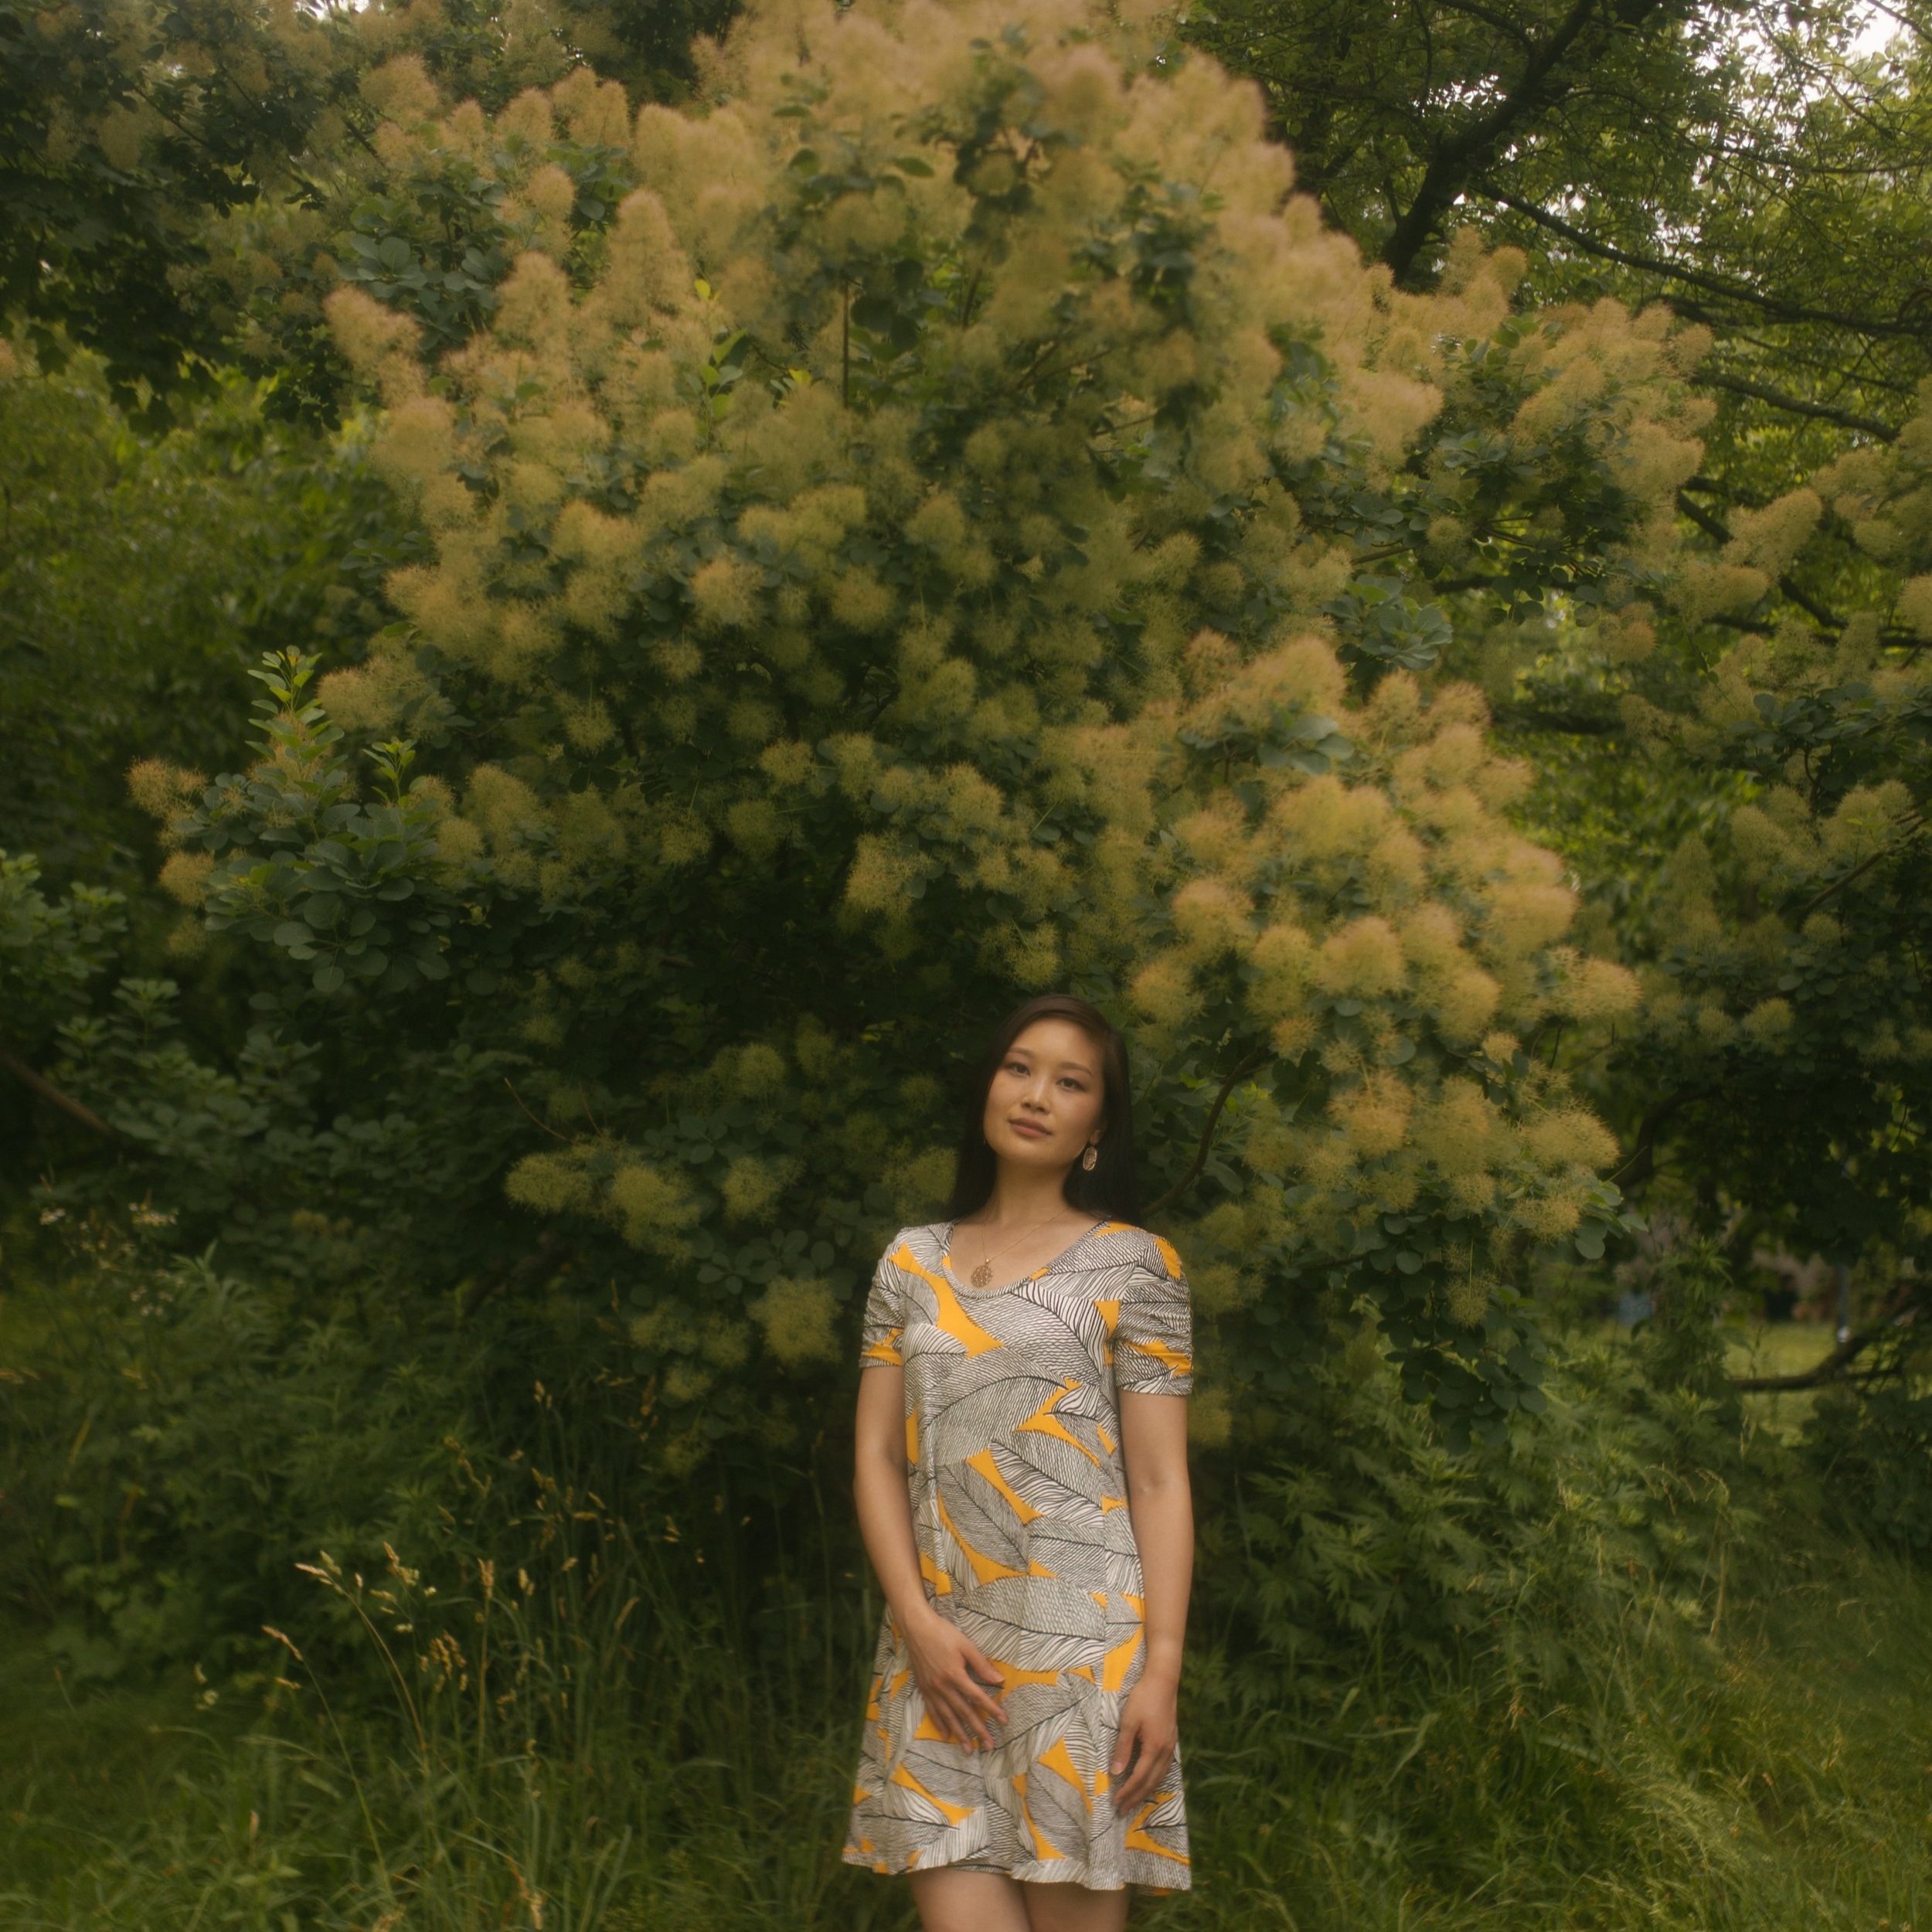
{"x": 1020, "y": 1510}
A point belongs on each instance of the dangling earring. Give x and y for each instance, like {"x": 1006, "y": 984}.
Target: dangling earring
{"x": 1091, "y": 1158}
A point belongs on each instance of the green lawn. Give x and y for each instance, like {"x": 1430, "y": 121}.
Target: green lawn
{"x": 1770, "y": 1348}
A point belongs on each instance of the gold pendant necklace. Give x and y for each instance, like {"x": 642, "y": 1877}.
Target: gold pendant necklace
{"x": 984, "y": 1272}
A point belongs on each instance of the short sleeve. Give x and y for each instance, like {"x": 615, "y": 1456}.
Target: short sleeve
{"x": 1154, "y": 1342}
{"x": 885, "y": 1318}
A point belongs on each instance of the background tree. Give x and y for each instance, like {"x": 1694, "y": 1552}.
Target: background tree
{"x": 1400, "y": 117}
{"x": 1744, "y": 165}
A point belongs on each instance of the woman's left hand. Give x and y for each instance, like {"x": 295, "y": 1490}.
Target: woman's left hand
{"x": 1147, "y": 1721}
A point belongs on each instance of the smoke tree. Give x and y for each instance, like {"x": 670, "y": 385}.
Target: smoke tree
{"x": 926, "y": 539}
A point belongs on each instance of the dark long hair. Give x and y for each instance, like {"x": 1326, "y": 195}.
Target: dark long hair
{"x": 1112, "y": 1188}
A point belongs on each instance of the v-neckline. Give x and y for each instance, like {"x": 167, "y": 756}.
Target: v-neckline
{"x": 1019, "y": 1281}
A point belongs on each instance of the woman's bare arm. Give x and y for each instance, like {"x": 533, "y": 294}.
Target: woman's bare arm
{"x": 878, "y": 1486}
{"x": 1153, "y": 1447}
{"x": 952, "y": 1670}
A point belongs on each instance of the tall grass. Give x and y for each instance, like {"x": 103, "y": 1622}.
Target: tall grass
{"x": 1621, "y": 1672}
{"x": 576, "y": 1740}
{"x": 1780, "y": 1782}
{"x": 1492, "y": 1697}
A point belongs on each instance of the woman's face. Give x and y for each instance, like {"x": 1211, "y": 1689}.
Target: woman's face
{"x": 1047, "y": 1099}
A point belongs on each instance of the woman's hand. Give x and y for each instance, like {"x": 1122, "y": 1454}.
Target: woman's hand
{"x": 1148, "y": 1728}
{"x": 952, "y": 1673}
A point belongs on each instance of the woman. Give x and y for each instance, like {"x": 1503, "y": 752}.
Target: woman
{"x": 1022, "y": 1485}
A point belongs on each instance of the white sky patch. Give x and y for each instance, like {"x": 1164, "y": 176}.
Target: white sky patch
{"x": 1880, "y": 29}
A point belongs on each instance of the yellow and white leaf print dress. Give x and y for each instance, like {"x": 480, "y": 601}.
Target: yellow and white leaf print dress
{"x": 1020, "y": 1510}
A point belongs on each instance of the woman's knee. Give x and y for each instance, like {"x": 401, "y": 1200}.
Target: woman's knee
{"x": 1074, "y": 1908}
{"x": 956, "y": 1901}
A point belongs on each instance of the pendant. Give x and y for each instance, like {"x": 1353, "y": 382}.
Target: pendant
{"x": 982, "y": 1274}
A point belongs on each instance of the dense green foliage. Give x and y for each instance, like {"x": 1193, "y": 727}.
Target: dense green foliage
{"x": 139, "y": 579}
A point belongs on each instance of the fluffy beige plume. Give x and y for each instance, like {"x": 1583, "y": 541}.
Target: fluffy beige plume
{"x": 379, "y": 344}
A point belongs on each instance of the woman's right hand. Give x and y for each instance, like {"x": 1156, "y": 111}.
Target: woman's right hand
{"x": 952, "y": 1673}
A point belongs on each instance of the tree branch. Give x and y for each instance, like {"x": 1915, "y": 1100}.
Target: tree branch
{"x": 1830, "y": 1368}
{"x": 74, "y": 1109}
{"x": 1452, "y": 163}
{"x": 1798, "y": 405}
{"x": 552, "y": 1249}
{"x": 1642, "y": 1160}
{"x": 1579, "y": 724}
{"x": 545, "y": 1124}
{"x": 1864, "y": 866}
{"x": 1712, "y": 525}
{"x": 1187, "y": 1180}
{"x": 1782, "y": 311}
